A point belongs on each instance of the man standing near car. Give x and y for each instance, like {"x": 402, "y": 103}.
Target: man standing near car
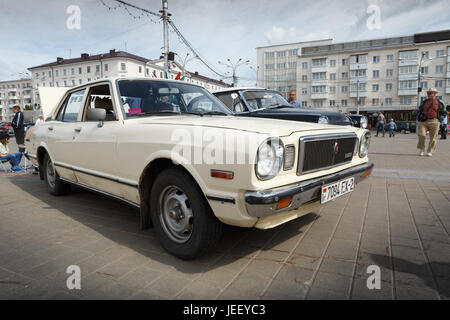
{"x": 17, "y": 125}
{"x": 292, "y": 99}
{"x": 431, "y": 113}
{"x": 381, "y": 120}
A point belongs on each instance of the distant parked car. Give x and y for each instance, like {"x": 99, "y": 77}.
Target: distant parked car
{"x": 264, "y": 103}
{"x": 403, "y": 127}
{"x": 358, "y": 120}
{"x": 4, "y": 126}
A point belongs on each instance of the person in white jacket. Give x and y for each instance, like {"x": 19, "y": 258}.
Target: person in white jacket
{"x": 39, "y": 120}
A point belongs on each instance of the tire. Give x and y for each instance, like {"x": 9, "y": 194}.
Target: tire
{"x": 184, "y": 222}
{"x": 55, "y": 185}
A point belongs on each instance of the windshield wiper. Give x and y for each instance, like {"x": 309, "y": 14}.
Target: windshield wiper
{"x": 209, "y": 113}
{"x": 158, "y": 112}
{"x": 277, "y": 105}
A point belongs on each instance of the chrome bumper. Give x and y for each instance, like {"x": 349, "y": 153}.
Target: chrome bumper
{"x": 263, "y": 203}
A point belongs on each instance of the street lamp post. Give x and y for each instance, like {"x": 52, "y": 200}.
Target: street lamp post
{"x": 234, "y": 66}
{"x": 256, "y": 72}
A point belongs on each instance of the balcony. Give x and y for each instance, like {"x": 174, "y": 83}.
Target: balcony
{"x": 319, "y": 95}
{"x": 408, "y": 76}
{"x": 408, "y": 62}
{"x": 12, "y": 89}
{"x": 362, "y": 94}
{"x": 407, "y": 92}
{"x": 322, "y": 68}
{"x": 356, "y": 66}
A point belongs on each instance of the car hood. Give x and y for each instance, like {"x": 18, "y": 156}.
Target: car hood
{"x": 259, "y": 125}
{"x": 314, "y": 114}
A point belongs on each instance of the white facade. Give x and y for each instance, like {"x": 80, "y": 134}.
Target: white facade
{"x": 14, "y": 92}
{"x": 382, "y": 72}
{"x": 73, "y": 72}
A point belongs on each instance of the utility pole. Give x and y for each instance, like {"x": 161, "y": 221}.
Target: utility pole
{"x": 419, "y": 90}
{"x": 165, "y": 17}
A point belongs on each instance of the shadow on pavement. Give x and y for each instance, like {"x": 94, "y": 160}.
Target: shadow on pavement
{"x": 119, "y": 222}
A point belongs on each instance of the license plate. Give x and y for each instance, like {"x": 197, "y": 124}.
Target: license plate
{"x": 337, "y": 189}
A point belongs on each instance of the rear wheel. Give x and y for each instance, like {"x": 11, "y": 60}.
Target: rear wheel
{"x": 184, "y": 223}
{"x": 55, "y": 185}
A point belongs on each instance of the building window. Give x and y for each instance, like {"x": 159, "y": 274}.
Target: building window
{"x": 80, "y": 71}
{"x": 123, "y": 67}
{"x": 332, "y": 89}
{"x": 388, "y": 101}
{"x": 88, "y": 69}
{"x": 73, "y": 82}
{"x": 64, "y": 72}
{"x": 281, "y": 54}
{"x": 319, "y": 89}
{"x": 332, "y": 103}
{"x": 344, "y": 89}
{"x": 332, "y": 63}
{"x": 304, "y": 65}
{"x": 426, "y": 55}
{"x": 408, "y": 84}
{"x": 304, "y": 104}
{"x": 405, "y": 100}
{"x": 388, "y": 86}
{"x": 57, "y": 83}
{"x": 80, "y": 81}
{"x": 281, "y": 65}
{"x": 304, "y": 91}
{"x": 408, "y": 55}
{"x": 65, "y": 83}
{"x": 106, "y": 67}
{"x": 390, "y": 58}
{"x": 292, "y": 65}
{"x": 376, "y": 73}
{"x": 332, "y": 76}
{"x": 375, "y": 101}
{"x": 389, "y": 72}
{"x": 319, "y": 75}
{"x": 269, "y": 55}
{"x": 72, "y": 71}
{"x": 344, "y": 103}
{"x": 304, "y": 78}
{"x": 97, "y": 68}
{"x": 270, "y": 66}
{"x": 49, "y": 74}
{"x": 322, "y": 62}
{"x": 318, "y": 103}
{"x": 439, "y": 69}
{"x": 293, "y": 52}
{"x": 375, "y": 87}
{"x": 424, "y": 84}
{"x": 358, "y": 73}
{"x": 344, "y": 75}
{"x": 407, "y": 69}
{"x": 438, "y": 84}
{"x": 376, "y": 59}
{"x": 439, "y": 53}
{"x": 57, "y": 73}
{"x": 424, "y": 70}
{"x": 344, "y": 62}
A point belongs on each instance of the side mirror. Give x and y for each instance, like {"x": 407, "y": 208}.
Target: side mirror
{"x": 96, "y": 115}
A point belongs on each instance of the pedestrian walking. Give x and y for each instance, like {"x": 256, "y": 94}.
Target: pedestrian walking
{"x": 444, "y": 127}
{"x": 392, "y": 126}
{"x": 6, "y": 155}
{"x": 17, "y": 125}
{"x": 381, "y": 120}
{"x": 431, "y": 113}
{"x": 292, "y": 100}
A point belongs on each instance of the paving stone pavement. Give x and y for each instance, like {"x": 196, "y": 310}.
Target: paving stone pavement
{"x": 398, "y": 219}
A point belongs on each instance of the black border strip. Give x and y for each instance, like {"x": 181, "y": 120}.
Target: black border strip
{"x": 228, "y": 200}
{"x": 96, "y": 175}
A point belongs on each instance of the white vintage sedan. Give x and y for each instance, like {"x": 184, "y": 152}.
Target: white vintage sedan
{"x": 175, "y": 151}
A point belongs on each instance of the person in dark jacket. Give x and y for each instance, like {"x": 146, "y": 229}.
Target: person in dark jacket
{"x": 431, "y": 113}
{"x": 17, "y": 125}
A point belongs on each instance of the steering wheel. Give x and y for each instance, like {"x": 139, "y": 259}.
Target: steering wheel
{"x": 196, "y": 100}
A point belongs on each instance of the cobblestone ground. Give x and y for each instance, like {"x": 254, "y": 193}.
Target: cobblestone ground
{"x": 398, "y": 219}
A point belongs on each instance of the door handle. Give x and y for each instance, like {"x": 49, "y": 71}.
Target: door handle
{"x": 78, "y": 129}
{"x": 50, "y": 128}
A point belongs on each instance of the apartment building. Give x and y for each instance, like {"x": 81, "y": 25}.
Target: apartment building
{"x": 278, "y": 65}
{"x": 86, "y": 68}
{"x": 14, "y": 92}
{"x": 383, "y": 73}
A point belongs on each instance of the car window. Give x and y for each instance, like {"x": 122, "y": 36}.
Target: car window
{"x": 234, "y": 105}
{"x": 99, "y": 97}
{"x": 263, "y": 99}
{"x": 71, "y": 107}
{"x": 150, "y": 97}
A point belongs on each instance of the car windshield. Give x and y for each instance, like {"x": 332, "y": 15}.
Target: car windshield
{"x": 264, "y": 99}
{"x": 142, "y": 98}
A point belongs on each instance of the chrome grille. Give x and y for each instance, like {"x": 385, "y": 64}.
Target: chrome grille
{"x": 325, "y": 151}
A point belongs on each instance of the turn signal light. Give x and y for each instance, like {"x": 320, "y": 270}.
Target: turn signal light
{"x": 222, "y": 174}
{"x": 283, "y": 203}
{"x": 366, "y": 173}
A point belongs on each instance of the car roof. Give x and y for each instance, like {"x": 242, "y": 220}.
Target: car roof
{"x": 241, "y": 89}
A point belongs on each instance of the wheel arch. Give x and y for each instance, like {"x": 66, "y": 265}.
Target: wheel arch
{"x": 147, "y": 178}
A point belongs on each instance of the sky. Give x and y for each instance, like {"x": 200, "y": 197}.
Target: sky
{"x": 36, "y": 32}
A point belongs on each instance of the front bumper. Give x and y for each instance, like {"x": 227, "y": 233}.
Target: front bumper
{"x": 264, "y": 203}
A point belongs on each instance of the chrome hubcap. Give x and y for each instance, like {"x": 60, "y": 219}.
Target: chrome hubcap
{"x": 176, "y": 214}
{"x": 51, "y": 174}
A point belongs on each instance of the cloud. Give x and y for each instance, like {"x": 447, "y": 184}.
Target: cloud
{"x": 279, "y": 34}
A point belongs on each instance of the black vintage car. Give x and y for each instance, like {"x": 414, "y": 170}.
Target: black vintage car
{"x": 263, "y": 103}
{"x": 358, "y": 120}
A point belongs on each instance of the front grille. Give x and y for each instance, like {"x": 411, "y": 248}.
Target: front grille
{"x": 325, "y": 151}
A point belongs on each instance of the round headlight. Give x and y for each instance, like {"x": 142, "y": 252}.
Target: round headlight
{"x": 364, "y": 144}
{"x": 363, "y": 122}
{"x": 323, "y": 120}
{"x": 269, "y": 158}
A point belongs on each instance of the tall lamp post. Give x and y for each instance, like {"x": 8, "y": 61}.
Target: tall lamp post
{"x": 234, "y": 66}
{"x": 185, "y": 61}
{"x": 256, "y": 71}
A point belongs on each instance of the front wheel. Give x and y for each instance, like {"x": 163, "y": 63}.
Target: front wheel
{"x": 184, "y": 223}
{"x": 55, "y": 185}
